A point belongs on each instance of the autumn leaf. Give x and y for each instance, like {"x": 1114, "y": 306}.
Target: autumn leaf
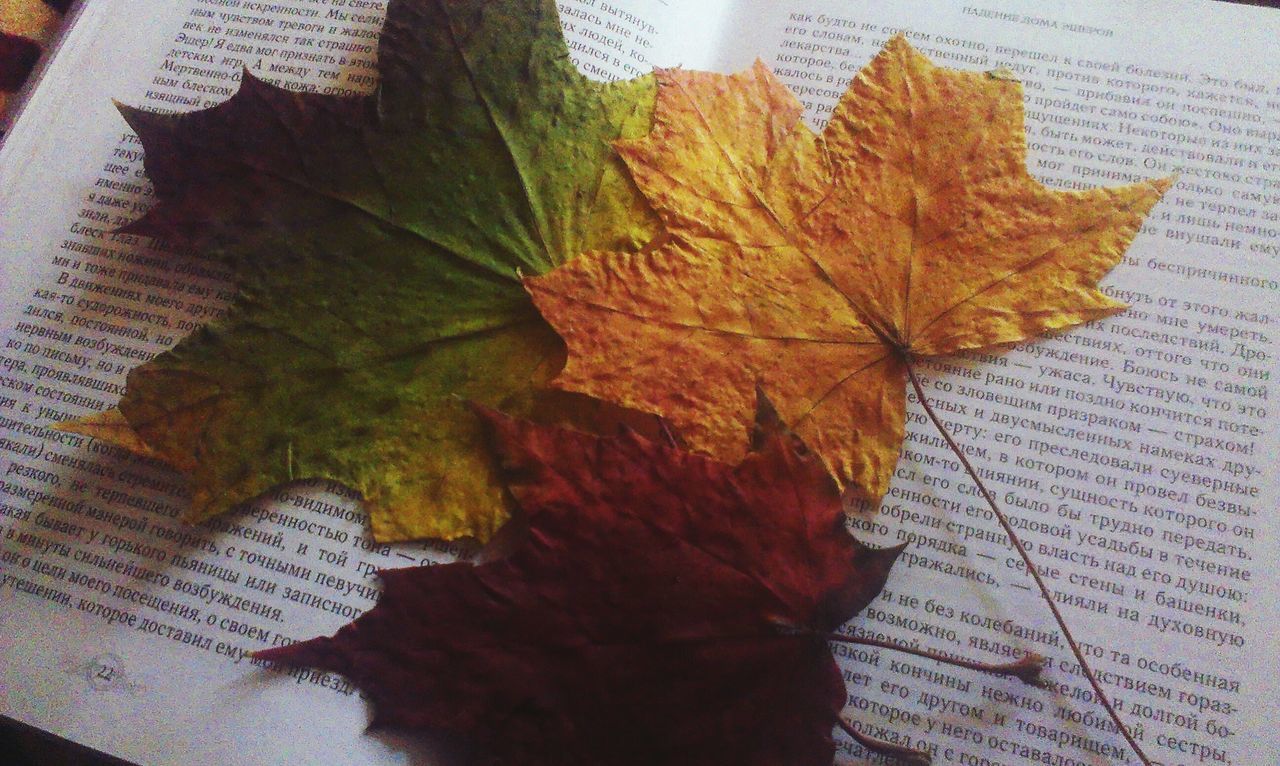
{"x": 817, "y": 266}
{"x": 375, "y": 244}
{"x": 663, "y": 608}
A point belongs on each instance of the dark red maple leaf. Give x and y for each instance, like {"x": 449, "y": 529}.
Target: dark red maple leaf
{"x": 661, "y": 608}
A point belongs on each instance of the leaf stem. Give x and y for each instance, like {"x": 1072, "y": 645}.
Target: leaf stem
{"x": 1035, "y": 575}
{"x": 908, "y": 755}
{"x": 1027, "y": 669}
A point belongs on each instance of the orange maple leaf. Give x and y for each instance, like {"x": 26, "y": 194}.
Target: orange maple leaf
{"x": 816, "y": 267}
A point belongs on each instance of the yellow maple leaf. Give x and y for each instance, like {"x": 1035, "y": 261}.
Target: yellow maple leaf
{"x": 816, "y": 267}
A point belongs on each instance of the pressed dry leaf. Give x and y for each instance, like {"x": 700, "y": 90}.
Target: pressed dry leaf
{"x": 816, "y": 266}
{"x": 663, "y": 608}
{"x": 375, "y": 244}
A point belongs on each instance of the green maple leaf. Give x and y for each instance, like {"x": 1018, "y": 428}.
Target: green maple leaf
{"x": 375, "y": 244}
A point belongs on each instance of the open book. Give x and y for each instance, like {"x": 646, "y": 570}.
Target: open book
{"x": 1135, "y": 454}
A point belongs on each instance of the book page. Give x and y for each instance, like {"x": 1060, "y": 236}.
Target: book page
{"x": 1135, "y": 455}
{"x": 120, "y": 627}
